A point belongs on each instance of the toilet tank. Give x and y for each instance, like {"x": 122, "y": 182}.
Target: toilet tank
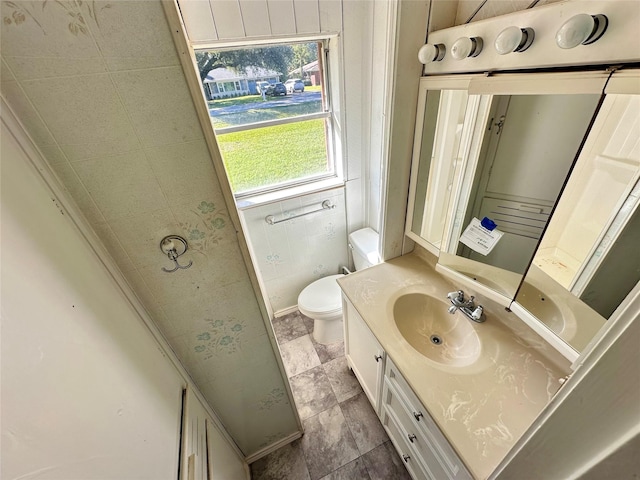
{"x": 364, "y": 246}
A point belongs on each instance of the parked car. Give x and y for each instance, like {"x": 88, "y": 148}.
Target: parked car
{"x": 261, "y": 86}
{"x": 294, "y": 85}
{"x": 276, "y": 89}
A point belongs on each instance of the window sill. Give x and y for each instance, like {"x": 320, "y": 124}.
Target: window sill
{"x": 287, "y": 193}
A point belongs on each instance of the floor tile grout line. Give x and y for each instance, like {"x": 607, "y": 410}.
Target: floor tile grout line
{"x": 338, "y": 403}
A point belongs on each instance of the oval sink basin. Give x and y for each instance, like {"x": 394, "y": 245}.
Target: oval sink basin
{"x": 444, "y": 338}
{"x": 542, "y": 307}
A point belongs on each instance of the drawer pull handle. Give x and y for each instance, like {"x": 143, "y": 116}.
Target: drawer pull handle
{"x": 418, "y": 415}
{"x": 411, "y": 437}
{"x": 406, "y": 458}
{"x": 377, "y": 357}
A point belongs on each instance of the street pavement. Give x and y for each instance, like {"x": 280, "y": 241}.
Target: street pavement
{"x": 271, "y": 102}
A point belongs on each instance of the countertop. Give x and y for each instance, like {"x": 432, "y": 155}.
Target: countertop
{"x": 482, "y": 408}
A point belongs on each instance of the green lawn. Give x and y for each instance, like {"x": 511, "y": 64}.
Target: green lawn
{"x": 270, "y": 155}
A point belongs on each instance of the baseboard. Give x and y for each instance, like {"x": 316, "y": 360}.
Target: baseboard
{"x": 285, "y": 311}
{"x": 273, "y": 447}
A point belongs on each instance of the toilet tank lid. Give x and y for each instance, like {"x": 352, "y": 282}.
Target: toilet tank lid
{"x": 323, "y": 295}
{"x": 365, "y": 241}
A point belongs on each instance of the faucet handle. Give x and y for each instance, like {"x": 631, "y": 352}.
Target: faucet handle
{"x": 477, "y": 313}
{"x": 459, "y": 295}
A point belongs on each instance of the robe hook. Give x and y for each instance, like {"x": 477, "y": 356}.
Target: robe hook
{"x": 174, "y": 246}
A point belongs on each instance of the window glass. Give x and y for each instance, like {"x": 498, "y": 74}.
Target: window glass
{"x": 270, "y": 114}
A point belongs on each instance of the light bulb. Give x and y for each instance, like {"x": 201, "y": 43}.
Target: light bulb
{"x": 168, "y": 245}
{"x": 513, "y": 39}
{"x": 581, "y": 29}
{"x": 431, "y": 53}
{"x": 465, "y": 47}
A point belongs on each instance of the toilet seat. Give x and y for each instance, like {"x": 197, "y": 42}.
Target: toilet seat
{"x": 321, "y": 299}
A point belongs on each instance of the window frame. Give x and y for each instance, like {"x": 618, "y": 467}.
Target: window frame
{"x": 332, "y": 136}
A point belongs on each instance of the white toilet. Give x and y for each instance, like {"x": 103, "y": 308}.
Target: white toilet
{"x": 322, "y": 300}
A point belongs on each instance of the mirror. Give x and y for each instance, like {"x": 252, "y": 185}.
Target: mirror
{"x": 589, "y": 260}
{"x": 440, "y": 134}
{"x": 521, "y": 151}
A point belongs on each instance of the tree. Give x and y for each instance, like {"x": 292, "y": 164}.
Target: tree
{"x": 302, "y": 53}
{"x": 273, "y": 58}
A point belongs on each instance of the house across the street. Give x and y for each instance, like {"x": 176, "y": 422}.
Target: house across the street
{"x": 225, "y": 82}
{"x": 310, "y": 71}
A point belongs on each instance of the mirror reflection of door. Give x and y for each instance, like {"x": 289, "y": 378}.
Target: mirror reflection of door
{"x": 438, "y": 161}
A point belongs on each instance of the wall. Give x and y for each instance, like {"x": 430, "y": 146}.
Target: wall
{"x": 86, "y": 335}
{"x": 100, "y": 88}
{"x": 211, "y": 23}
{"x": 86, "y": 391}
{"x": 356, "y": 35}
{"x": 408, "y": 35}
{"x": 292, "y": 254}
{"x": 491, "y": 8}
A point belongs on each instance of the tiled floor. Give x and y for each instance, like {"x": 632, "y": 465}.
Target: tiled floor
{"x": 343, "y": 439}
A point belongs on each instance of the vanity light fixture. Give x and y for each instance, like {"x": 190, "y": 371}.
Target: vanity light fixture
{"x": 431, "y": 53}
{"x": 582, "y": 29}
{"x": 514, "y": 39}
{"x": 174, "y": 246}
{"x": 465, "y": 47}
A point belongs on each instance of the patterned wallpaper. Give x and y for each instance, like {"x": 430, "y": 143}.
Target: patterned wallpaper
{"x": 292, "y": 254}
{"x": 99, "y": 87}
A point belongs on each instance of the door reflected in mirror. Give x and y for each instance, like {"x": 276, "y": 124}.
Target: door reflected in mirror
{"x": 513, "y": 176}
{"x": 443, "y": 122}
{"x": 589, "y": 260}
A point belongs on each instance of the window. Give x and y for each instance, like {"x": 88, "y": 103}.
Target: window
{"x": 271, "y": 114}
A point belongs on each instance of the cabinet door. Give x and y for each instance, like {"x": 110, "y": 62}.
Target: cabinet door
{"x": 365, "y": 355}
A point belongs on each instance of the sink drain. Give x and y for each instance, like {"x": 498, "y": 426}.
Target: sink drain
{"x": 436, "y": 340}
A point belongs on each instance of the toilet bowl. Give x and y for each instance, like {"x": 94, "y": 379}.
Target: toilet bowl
{"x": 322, "y": 299}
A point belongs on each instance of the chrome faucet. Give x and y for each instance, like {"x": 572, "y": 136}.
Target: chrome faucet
{"x": 472, "y": 311}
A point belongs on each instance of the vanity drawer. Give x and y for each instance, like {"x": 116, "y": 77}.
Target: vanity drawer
{"x": 406, "y": 453}
{"x": 396, "y": 408}
{"x": 420, "y": 421}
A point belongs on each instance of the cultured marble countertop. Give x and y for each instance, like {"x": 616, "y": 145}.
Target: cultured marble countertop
{"x": 482, "y": 408}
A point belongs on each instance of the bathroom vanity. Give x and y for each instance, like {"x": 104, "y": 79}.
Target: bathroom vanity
{"x": 454, "y": 395}
{"x": 553, "y": 160}
{"x": 524, "y": 192}
{"x": 450, "y": 414}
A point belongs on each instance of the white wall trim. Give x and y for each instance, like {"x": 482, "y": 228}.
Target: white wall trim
{"x": 285, "y": 311}
{"x": 68, "y": 208}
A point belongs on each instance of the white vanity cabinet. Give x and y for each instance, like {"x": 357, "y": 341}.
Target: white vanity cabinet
{"x": 425, "y": 450}
{"x": 421, "y": 444}
{"x": 365, "y": 355}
